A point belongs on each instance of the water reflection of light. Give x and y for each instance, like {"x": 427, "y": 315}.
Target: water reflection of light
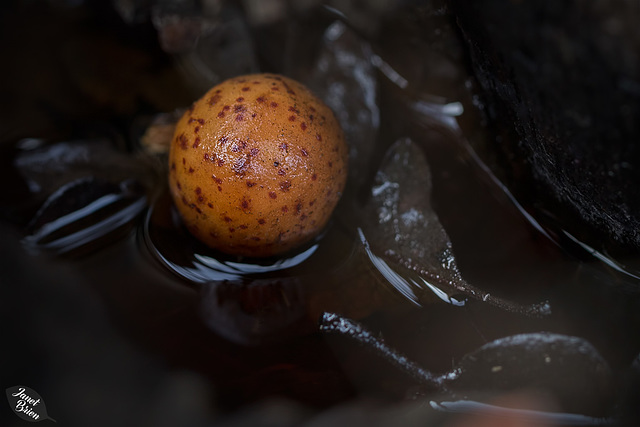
{"x": 442, "y": 294}
{"x": 402, "y": 285}
{"x": 70, "y": 232}
{"x": 544, "y": 418}
{"x": 240, "y": 268}
{"x": 199, "y": 267}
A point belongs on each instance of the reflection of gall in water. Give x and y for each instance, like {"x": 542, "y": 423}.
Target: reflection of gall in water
{"x": 263, "y": 310}
{"x": 257, "y": 165}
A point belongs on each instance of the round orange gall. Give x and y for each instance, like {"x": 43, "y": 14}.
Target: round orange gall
{"x": 257, "y": 165}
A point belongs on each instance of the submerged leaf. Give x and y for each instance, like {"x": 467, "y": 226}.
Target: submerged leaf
{"x": 568, "y": 366}
{"x": 405, "y": 240}
{"x": 47, "y": 167}
{"x": 565, "y": 367}
{"x": 345, "y": 77}
{"x": 85, "y": 189}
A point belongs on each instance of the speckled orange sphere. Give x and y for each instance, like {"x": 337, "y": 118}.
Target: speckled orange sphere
{"x": 257, "y": 165}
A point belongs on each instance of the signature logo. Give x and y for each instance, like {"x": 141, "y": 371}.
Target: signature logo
{"x": 27, "y": 404}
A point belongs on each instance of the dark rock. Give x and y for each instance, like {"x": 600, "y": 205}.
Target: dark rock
{"x": 562, "y": 83}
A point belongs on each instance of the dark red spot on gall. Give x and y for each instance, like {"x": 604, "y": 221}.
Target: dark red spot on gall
{"x": 289, "y": 91}
{"x": 273, "y": 194}
{"x": 240, "y": 165}
{"x": 231, "y": 229}
{"x": 198, "y": 210}
{"x": 210, "y": 205}
{"x": 261, "y": 221}
{"x": 178, "y": 185}
{"x": 227, "y": 219}
{"x": 303, "y": 217}
{"x": 216, "y": 179}
{"x": 223, "y": 140}
{"x": 239, "y": 108}
{"x": 298, "y": 207}
{"x": 200, "y": 199}
{"x": 314, "y": 177}
{"x": 197, "y": 129}
{"x": 198, "y": 190}
{"x": 191, "y": 170}
{"x": 245, "y": 204}
{"x": 304, "y": 152}
{"x": 196, "y": 142}
{"x": 285, "y": 185}
{"x": 284, "y": 209}
{"x": 318, "y": 137}
{"x": 220, "y": 162}
{"x": 260, "y": 99}
{"x": 226, "y": 108}
{"x": 303, "y": 126}
{"x": 292, "y": 118}
{"x": 240, "y": 99}
{"x": 243, "y": 226}
{"x": 184, "y": 161}
{"x": 219, "y": 188}
{"x": 220, "y": 115}
{"x": 256, "y": 238}
{"x": 274, "y": 104}
{"x": 183, "y": 141}
{"x": 239, "y": 118}
{"x": 246, "y": 89}
{"x": 250, "y": 184}
{"x": 173, "y": 166}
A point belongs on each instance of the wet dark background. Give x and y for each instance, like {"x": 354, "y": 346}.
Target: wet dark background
{"x": 109, "y": 336}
